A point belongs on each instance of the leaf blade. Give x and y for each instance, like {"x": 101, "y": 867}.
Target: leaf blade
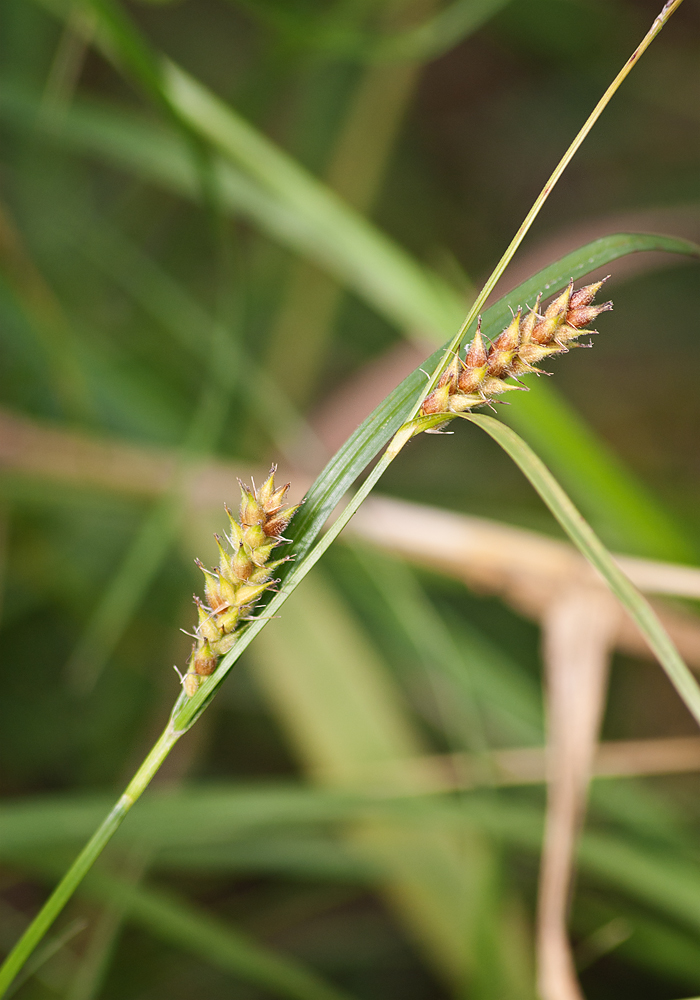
{"x": 597, "y": 555}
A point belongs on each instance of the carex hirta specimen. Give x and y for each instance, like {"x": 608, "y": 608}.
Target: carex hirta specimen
{"x": 244, "y": 573}
{"x": 524, "y": 342}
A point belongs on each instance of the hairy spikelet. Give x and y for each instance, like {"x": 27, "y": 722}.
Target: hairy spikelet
{"x": 243, "y": 575}
{"x": 526, "y": 340}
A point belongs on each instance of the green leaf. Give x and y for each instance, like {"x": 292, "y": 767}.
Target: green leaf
{"x": 588, "y": 543}
{"x": 372, "y": 435}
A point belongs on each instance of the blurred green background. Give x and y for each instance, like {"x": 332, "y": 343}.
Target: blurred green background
{"x": 172, "y": 313}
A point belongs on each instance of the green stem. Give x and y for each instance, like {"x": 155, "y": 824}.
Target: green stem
{"x": 85, "y": 860}
{"x": 480, "y": 301}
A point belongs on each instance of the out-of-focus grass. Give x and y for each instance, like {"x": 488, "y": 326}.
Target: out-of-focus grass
{"x": 138, "y": 279}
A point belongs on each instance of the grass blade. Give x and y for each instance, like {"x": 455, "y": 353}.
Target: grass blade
{"x": 590, "y": 546}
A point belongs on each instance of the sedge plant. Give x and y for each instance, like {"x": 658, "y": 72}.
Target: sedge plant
{"x": 453, "y": 388}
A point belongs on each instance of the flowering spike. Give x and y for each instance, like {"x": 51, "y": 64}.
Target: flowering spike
{"x": 242, "y": 577}
{"x": 227, "y": 620}
{"x": 494, "y": 386}
{"x": 524, "y": 342}
{"x": 254, "y": 537}
{"x": 226, "y": 643}
{"x": 462, "y": 401}
{"x": 277, "y": 499}
{"x": 260, "y": 555}
{"x": 250, "y": 592}
{"x": 212, "y": 587}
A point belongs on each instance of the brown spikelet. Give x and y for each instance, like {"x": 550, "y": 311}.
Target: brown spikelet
{"x": 526, "y": 341}
{"x": 438, "y": 400}
{"x": 242, "y": 577}
{"x": 584, "y": 296}
{"x": 547, "y": 328}
{"x": 475, "y": 364}
{"x": 501, "y": 355}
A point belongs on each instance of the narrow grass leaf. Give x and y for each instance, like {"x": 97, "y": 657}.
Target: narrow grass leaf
{"x": 177, "y": 922}
{"x": 595, "y": 552}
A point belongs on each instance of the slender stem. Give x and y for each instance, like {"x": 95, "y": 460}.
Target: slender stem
{"x": 480, "y": 301}
{"x": 186, "y": 711}
{"x": 85, "y": 860}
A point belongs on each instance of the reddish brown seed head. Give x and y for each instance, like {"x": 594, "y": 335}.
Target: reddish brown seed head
{"x": 470, "y": 379}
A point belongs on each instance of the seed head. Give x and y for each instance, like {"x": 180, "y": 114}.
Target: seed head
{"x": 241, "y": 578}
{"x": 526, "y": 341}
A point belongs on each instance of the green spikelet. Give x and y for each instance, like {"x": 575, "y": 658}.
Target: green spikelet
{"x": 241, "y": 578}
{"x": 526, "y": 340}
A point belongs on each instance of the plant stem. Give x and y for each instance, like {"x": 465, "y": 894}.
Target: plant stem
{"x": 85, "y": 860}
{"x": 480, "y": 301}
